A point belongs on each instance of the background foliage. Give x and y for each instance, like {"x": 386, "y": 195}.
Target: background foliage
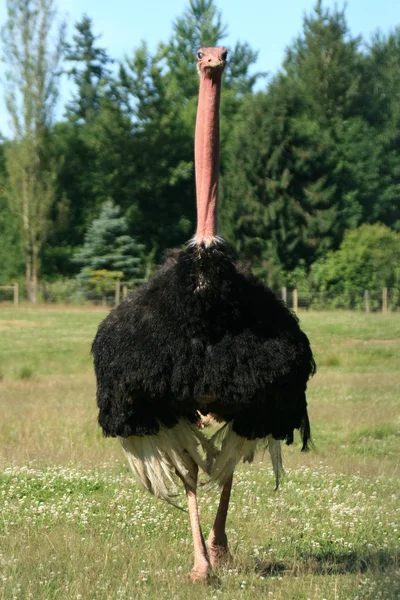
{"x": 310, "y": 169}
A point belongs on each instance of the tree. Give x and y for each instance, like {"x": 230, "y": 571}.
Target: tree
{"x": 107, "y": 246}
{"x": 160, "y": 93}
{"x": 304, "y": 161}
{"x": 368, "y": 258}
{"x": 382, "y": 89}
{"x": 160, "y": 207}
{"x": 278, "y": 199}
{"x": 201, "y": 25}
{"x": 12, "y": 263}
{"x": 31, "y": 93}
{"x": 324, "y": 62}
{"x": 91, "y": 76}
{"x": 95, "y": 157}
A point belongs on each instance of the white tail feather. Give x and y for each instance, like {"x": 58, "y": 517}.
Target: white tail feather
{"x": 233, "y": 449}
{"x": 155, "y": 459}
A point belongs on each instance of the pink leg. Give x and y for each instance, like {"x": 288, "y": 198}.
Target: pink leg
{"x": 201, "y": 568}
{"x": 217, "y": 540}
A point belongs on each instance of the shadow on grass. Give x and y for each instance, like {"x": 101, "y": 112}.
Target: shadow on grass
{"x": 328, "y": 563}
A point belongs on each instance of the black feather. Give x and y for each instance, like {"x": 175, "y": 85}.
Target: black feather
{"x": 206, "y": 335}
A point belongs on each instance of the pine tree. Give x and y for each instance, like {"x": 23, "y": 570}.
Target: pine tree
{"x": 304, "y": 163}
{"x": 95, "y": 145}
{"x": 382, "y": 89}
{"x": 107, "y": 246}
{"x": 160, "y": 92}
{"x": 324, "y": 63}
{"x": 278, "y": 200}
{"x": 202, "y": 25}
{"x": 90, "y": 77}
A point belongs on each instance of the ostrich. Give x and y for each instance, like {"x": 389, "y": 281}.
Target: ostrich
{"x": 203, "y": 336}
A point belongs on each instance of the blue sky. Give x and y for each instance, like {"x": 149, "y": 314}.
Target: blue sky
{"x": 268, "y": 26}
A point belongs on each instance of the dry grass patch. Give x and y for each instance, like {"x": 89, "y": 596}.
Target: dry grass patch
{"x": 51, "y": 421}
{"x": 16, "y": 323}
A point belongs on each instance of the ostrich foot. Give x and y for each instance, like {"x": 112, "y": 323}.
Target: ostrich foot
{"x": 218, "y": 551}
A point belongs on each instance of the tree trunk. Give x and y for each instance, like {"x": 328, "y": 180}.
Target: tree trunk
{"x": 28, "y": 270}
{"x": 34, "y": 276}
{"x": 31, "y": 275}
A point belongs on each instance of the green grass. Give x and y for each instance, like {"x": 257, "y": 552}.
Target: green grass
{"x": 74, "y": 525}
{"x": 46, "y": 342}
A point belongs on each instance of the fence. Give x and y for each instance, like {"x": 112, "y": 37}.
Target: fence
{"x": 383, "y": 300}
{"x": 121, "y": 286}
{"x": 70, "y": 291}
{"x": 15, "y": 292}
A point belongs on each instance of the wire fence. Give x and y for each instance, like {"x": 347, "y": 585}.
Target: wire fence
{"x": 378, "y": 300}
{"x": 72, "y": 292}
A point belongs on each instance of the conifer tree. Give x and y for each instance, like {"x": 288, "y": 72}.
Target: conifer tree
{"x": 89, "y": 71}
{"x": 107, "y": 246}
{"x": 382, "y": 90}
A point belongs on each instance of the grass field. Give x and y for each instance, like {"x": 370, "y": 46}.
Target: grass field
{"x": 74, "y": 525}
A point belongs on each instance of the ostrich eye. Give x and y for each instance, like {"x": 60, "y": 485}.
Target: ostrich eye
{"x": 224, "y": 55}
{"x": 200, "y": 55}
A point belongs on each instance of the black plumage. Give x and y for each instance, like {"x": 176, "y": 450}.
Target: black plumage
{"x": 203, "y": 334}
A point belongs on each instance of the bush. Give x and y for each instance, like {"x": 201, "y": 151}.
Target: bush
{"x": 62, "y": 291}
{"x": 368, "y": 259}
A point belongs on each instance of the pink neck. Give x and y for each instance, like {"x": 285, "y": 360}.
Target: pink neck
{"x": 206, "y": 153}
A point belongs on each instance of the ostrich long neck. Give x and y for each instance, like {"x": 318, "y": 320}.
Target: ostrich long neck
{"x": 206, "y": 151}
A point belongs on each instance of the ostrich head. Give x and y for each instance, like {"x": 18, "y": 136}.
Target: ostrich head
{"x": 210, "y": 66}
{"x": 211, "y": 61}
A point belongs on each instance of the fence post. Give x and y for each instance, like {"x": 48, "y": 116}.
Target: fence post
{"x": 117, "y": 292}
{"x": 384, "y": 300}
{"x": 16, "y": 294}
{"x": 366, "y": 300}
{"x": 124, "y": 291}
{"x": 284, "y": 294}
{"x": 295, "y": 300}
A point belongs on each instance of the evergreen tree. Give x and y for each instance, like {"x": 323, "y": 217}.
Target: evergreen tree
{"x": 304, "y": 164}
{"x": 201, "y": 25}
{"x": 382, "y": 89}
{"x": 161, "y": 206}
{"x": 160, "y": 93}
{"x": 93, "y": 148}
{"x": 108, "y": 247}
{"x": 278, "y": 199}
{"x": 324, "y": 63}
{"x": 89, "y": 73}
{"x": 324, "y": 66}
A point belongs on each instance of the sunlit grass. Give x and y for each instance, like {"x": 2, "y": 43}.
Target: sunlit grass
{"x": 74, "y": 524}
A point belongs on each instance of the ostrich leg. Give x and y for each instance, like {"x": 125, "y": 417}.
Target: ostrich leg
{"x": 202, "y": 567}
{"x": 217, "y": 540}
